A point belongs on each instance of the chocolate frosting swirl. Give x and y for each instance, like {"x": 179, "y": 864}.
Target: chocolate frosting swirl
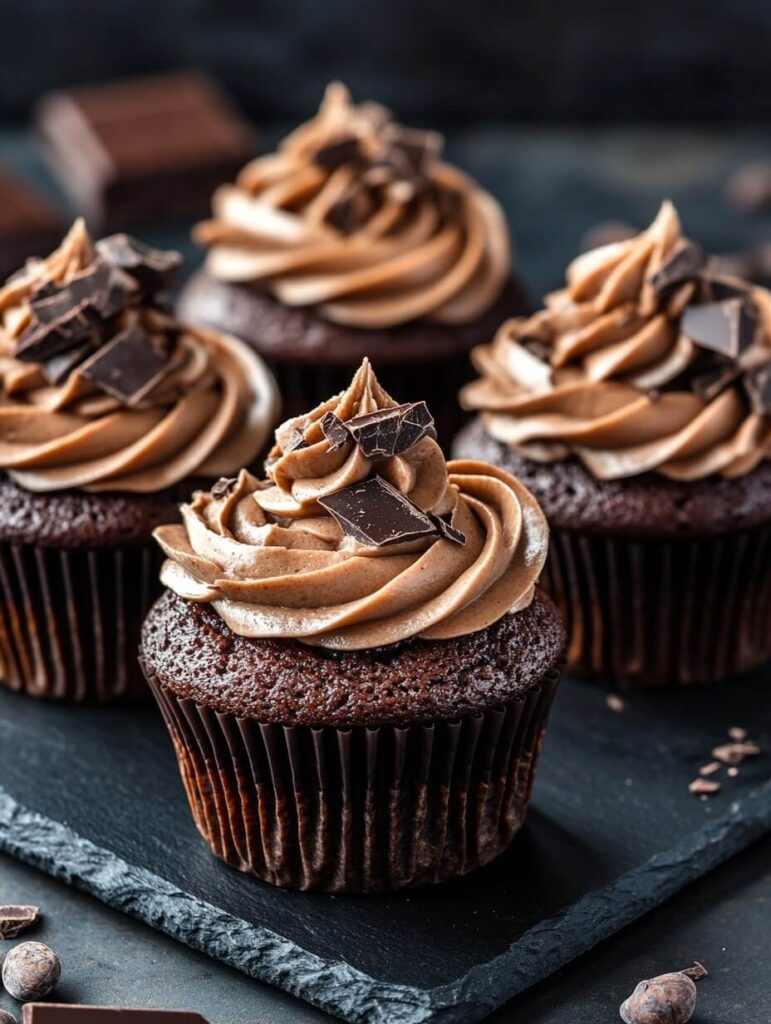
{"x": 606, "y": 372}
{"x": 274, "y": 563}
{"x": 359, "y": 218}
{"x": 208, "y": 415}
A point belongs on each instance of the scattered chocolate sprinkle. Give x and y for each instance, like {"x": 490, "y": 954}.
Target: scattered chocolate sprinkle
{"x": 735, "y": 753}
{"x": 128, "y": 366}
{"x": 155, "y": 270}
{"x": 682, "y": 266}
{"x": 335, "y": 431}
{"x": 614, "y": 702}
{"x": 224, "y": 486}
{"x": 376, "y": 514}
{"x": 757, "y": 384}
{"x": 704, "y": 787}
{"x": 389, "y": 432}
{"x": 16, "y": 918}
{"x": 749, "y": 187}
{"x": 710, "y": 769}
{"x": 737, "y": 734}
{"x": 340, "y": 151}
{"x": 727, "y": 327}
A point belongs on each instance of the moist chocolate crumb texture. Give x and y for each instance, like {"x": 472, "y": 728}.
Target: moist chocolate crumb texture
{"x": 363, "y": 626}
{"x": 637, "y": 405}
{"x": 355, "y": 239}
{"x": 109, "y": 409}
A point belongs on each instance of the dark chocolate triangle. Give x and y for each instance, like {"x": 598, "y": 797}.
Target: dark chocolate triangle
{"x": 727, "y": 327}
{"x": 155, "y": 270}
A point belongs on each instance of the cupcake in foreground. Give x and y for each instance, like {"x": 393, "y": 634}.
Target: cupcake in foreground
{"x": 352, "y": 658}
{"x": 355, "y": 240}
{"x": 637, "y": 407}
{"x": 110, "y": 408}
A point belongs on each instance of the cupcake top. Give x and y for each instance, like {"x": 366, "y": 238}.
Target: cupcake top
{"x": 102, "y": 389}
{"x": 362, "y": 535}
{"x": 359, "y": 218}
{"x": 648, "y": 360}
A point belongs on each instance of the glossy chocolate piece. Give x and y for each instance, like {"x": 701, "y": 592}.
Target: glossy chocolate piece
{"x": 154, "y": 270}
{"x": 335, "y": 431}
{"x": 128, "y": 366}
{"x": 726, "y": 327}
{"x": 389, "y": 432}
{"x": 60, "y": 1013}
{"x": 144, "y": 148}
{"x": 683, "y": 266}
{"x": 29, "y": 226}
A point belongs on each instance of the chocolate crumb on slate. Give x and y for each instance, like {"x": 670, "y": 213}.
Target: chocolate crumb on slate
{"x": 710, "y": 769}
{"x": 129, "y": 366}
{"x": 614, "y": 702}
{"x": 727, "y": 327}
{"x": 223, "y": 486}
{"x": 16, "y": 918}
{"x": 732, "y": 772}
{"x": 737, "y": 734}
{"x": 389, "y": 432}
{"x": 735, "y": 753}
{"x": 155, "y": 270}
{"x": 682, "y": 266}
{"x": 335, "y": 431}
{"x": 376, "y": 514}
{"x": 704, "y": 787}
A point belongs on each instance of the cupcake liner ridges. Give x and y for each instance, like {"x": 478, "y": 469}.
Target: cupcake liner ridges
{"x": 70, "y": 620}
{"x": 663, "y": 612}
{"x": 359, "y": 809}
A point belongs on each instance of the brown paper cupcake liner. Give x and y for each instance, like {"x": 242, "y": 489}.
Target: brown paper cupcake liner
{"x": 360, "y": 809}
{"x": 70, "y": 620}
{"x": 437, "y": 383}
{"x": 663, "y": 612}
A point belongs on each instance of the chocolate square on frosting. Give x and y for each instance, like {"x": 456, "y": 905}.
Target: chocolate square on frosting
{"x": 726, "y": 327}
{"x": 144, "y": 148}
{"x": 128, "y": 366}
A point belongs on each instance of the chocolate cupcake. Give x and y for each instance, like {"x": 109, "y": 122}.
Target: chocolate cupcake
{"x": 352, "y": 659}
{"x": 637, "y": 407}
{"x": 110, "y": 410}
{"x": 355, "y": 240}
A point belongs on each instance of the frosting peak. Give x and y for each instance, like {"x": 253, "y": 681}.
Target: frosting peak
{"x": 102, "y": 389}
{"x": 647, "y": 360}
{"x": 359, "y": 217}
{"x": 323, "y": 550}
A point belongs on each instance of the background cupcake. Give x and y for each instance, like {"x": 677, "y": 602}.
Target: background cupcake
{"x": 352, "y": 659}
{"x": 110, "y": 408}
{"x": 355, "y": 240}
{"x": 637, "y": 407}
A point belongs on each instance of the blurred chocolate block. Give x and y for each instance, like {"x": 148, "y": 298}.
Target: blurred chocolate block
{"x": 60, "y": 1013}
{"x": 144, "y": 148}
{"x": 28, "y": 225}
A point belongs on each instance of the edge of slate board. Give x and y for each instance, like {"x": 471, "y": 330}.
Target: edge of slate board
{"x": 341, "y": 989}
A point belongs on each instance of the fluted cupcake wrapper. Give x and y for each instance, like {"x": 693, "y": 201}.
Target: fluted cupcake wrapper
{"x": 663, "y": 612}
{"x": 360, "y": 809}
{"x": 437, "y": 383}
{"x": 70, "y": 620}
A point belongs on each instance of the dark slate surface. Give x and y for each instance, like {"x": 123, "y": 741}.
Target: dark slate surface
{"x": 92, "y": 796}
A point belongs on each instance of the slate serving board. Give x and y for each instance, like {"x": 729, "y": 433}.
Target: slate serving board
{"x": 93, "y": 797}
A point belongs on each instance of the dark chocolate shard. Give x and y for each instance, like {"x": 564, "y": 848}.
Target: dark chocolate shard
{"x": 58, "y": 368}
{"x": 16, "y": 918}
{"x": 447, "y": 531}
{"x": 296, "y": 440}
{"x": 716, "y": 287}
{"x": 339, "y": 151}
{"x": 106, "y": 289}
{"x": 224, "y": 486}
{"x": 713, "y": 382}
{"x": 41, "y": 341}
{"x": 412, "y": 149}
{"x": 129, "y": 366}
{"x": 335, "y": 431}
{"x": 727, "y": 327}
{"x": 685, "y": 264}
{"x": 69, "y": 1013}
{"x": 155, "y": 270}
{"x": 376, "y": 514}
{"x": 389, "y": 432}
{"x": 757, "y": 384}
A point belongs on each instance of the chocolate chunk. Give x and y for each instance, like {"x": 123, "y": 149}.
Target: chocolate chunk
{"x": 296, "y": 441}
{"x": 15, "y": 918}
{"x": 351, "y": 210}
{"x": 715, "y": 287}
{"x": 376, "y": 514}
{"x": 683, "y": 266}
{"x": 727, "y": 327}
{"x": 223, "y": 487}
{"x": 757, "y": 384}
{"x": 41, "y": 341}
{"x": 338, "y": 152}
{"x": 60, "y": 1013}
{"x": 128, "y": 366}
{"x": 447, "y": 531}
{"x": 145, "y": 148}
{"x": 389, "y": 432}
{"x": 155, "y": 270}
{"x": 104, "y": 288}
{"x": 58, "y": 368}
{"x": 335, "y": 431}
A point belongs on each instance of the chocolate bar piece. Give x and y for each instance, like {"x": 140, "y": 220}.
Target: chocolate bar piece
{"x": 144, "y": 148}
{"x": 60, "y": 1013}
{"x": 384, "y": 433}
{"x": 128, "y": 367}
{"x": 726, "y": 327}
{"x": 683, "y": 266}
{"x": 28, "y": 225}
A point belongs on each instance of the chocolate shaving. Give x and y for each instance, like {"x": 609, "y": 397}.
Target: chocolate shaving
{"x": 697, "y": 972}
{"x": 682, "y": 266}
{"x": 16, "y": 918}
{"x": 757, "y": 384}
{"x": 335, "y": 431}
{"x": 726, "y": 327}
{"x": 128, "y": 366}
{"x": 735, "y": 753}
{"x": 339, "y": 151}
{"x": 376, "y": 514}
{"x": 224, "y": 486}
{"x": 389, "y": 432}
{"x": 154, "y": 270}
